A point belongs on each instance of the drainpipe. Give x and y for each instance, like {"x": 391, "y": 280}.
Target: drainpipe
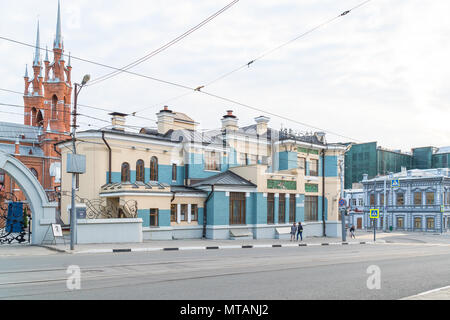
{"x": 204, "y": 211}
{"x": 323, "y": 195}
{"x": 109, "y": 157}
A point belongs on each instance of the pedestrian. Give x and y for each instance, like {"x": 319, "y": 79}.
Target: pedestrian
{"x": 352, "y": 232}
{"x": 300, "y": 231}
{"x": 293, "y": 231}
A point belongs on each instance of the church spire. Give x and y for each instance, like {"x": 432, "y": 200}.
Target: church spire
{"x": 37, "y": 54}
{"x": 58, "y": 38}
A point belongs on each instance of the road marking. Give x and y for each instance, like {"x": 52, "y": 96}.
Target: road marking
{"x": 427, "y": 292}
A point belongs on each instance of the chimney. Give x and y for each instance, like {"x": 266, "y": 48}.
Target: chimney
{"x": 261, "y": 124}
{"x": 365, "y": 177}
{"x": 409, "y": 173}
{"x": 320, "y": 136}
{"x": 230, "y": 121}
{"x": 118, "y": 121}
{"x": 165, "y": 120}
{"x": 17, "y": 147}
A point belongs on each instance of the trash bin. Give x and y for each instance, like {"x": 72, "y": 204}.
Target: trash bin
{"x": 390, "y": 228}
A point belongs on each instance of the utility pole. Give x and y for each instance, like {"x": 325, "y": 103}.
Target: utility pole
{"x": 341, "y": 176}
{"x": 385, "y": 217}
{"x": 73, "y": 218}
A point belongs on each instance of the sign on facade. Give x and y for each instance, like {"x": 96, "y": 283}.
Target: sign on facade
{"x": 281, "y": 184}
{"x": 374, "y": 213}
{"x": 395, "y": 183}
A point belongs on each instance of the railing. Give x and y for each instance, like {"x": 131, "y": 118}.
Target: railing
{"x": 101, "y": 208}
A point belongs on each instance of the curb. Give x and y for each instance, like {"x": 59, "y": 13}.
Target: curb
{"x": 287, "y": 245}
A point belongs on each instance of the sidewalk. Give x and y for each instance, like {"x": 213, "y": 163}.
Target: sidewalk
{"x": 15, "y": 250}
{"x": 200, "y": 244}
{"x": 436, "y": 294}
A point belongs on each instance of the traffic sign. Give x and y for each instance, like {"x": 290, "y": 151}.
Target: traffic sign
{"x": 341, "y": 202}
{"x": 442, "y": 208}
{"x": 374, "y": 213}
{"x": 395, "y": 183}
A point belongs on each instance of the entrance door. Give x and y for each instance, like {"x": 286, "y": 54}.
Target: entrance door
{"x": 400, "y": 223}
{"x": 359, "y": 223}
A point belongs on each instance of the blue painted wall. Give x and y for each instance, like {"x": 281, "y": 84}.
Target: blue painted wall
{"x": 218, "y": 209}
{"x": 287, "y": 160}
{"x": 300, "y": 211}
{"x": 331, "y": 166}
{"x": 319, "y": 215}
{"x": 260, "y": 205}
{"x": 163, "y": 217}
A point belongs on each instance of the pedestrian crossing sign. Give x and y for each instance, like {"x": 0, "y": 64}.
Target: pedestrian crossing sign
{"x": 395, "y": 183}
{"x": 374, "y": 213}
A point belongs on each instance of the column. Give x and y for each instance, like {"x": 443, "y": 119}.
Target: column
{"x": 189, "y": 213}
{"x": 178, "y": 213}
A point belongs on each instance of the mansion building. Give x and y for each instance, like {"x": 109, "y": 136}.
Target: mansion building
{"x": 250, "y": 181}
{"x": 420, "y": 202}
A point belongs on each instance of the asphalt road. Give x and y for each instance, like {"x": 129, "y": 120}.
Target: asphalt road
{"x": 323, "y": 272}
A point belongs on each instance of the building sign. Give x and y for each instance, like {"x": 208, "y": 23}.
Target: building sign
{"x": 307, "y": 150}
{"x": 281, "y": 184}
{"x": 309, "y": 187}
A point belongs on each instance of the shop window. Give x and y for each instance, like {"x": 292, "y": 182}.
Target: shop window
{"x": 430, "y": 223}
{"x": 311, "y": 208}
{"x": 154, "y": 217}
{"x": 270, "y": 207}
{"x": 417, "y": 222}
{"x": 183, "y": 212}
{"x": 194, "y": 212}
{"x": 173, "y": 213}
{"x": 282, "y": 208}
{"x": 237, "y": 208}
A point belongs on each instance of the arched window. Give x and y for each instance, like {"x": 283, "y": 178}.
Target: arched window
{"x": 39, "y": 119}
{"x": 140, "y": 170}
{"x": 125, "y": 172}
{"x": 54, "y": 104}
{"x": 34, "y": 172}
{"x": 154, "y": 169}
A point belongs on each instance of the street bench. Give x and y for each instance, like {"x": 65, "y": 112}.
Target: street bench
{"x": 241, "y": 234}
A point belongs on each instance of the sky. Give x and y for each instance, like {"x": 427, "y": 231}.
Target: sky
{"x": 379, "y": 73}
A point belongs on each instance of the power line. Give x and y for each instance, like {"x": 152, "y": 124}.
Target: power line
{"x": 164, "y": 47}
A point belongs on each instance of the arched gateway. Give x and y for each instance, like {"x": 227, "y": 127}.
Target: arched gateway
{"x": 43, "y": 211}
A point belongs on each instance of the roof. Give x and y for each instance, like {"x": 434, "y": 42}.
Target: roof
{"x": 183, "y": 117}
{"x": 227, "y": 178}
{"x": 23, "y": 150}
{"x": 443, "y": 150}
{"x": 414, "y": 174}
{"x": 11, "y": 131}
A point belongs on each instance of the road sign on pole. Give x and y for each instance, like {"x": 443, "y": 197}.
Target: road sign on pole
{"x": 374, "y": 214}
{"x": 341, "y": 202}
{"x": 395, "y": 183}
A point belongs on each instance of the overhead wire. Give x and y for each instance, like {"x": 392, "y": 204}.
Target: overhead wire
{"x": 164, "y": 47}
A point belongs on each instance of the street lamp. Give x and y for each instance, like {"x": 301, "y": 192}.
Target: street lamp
{"x": 73, "y": 219}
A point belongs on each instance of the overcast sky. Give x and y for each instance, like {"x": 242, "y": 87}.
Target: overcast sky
{"x": 380, "y": 73}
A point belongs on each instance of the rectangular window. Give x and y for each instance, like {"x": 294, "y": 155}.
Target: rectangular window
{"x": 302, "y": 163}
{"x": 270, "y": 207}
{"x": 353, "y": 202}
{"x": 292, "y": 207}
{"x": 174, "y": 172}
{"x": 173, "y": 213}
{"x": 430, "y": 198}
{"x": 311, "y": 208}
{"x": 194, "y": 212}
{"x": 417, "y": 222}
{"x": 417, "y": 198}
{"x": 183, "y": 212}
{"x": 314, "y": 168}
{"x": 430, "y": 223}
{"x": 360, "y": 202}
{"x": 153, "y": 217}
{"x": 382, "y": 199}
{"x": 400, "y": 199}
{"x": 237, "y": 208}
{"x": 372, "y": 199}
{"x": 212, "y": 161}
{"x": 282, "y": 208}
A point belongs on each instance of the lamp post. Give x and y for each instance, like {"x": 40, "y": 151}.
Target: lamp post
{"x": 73, "y": 219}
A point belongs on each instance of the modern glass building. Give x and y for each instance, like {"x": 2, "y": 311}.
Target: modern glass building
{"x": 368, "y": 158}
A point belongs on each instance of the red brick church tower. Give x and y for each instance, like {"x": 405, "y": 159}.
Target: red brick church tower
{"x": 47, "y": 97}
{"x": 47, "y": 119}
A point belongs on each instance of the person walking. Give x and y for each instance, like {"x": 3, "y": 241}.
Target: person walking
{"x": 352, "y": 232}
{"x": 293, "y": 231}
{"x": 300, "y": 231}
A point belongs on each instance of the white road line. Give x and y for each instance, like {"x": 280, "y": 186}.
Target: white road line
{"x": 191, "y": 248}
